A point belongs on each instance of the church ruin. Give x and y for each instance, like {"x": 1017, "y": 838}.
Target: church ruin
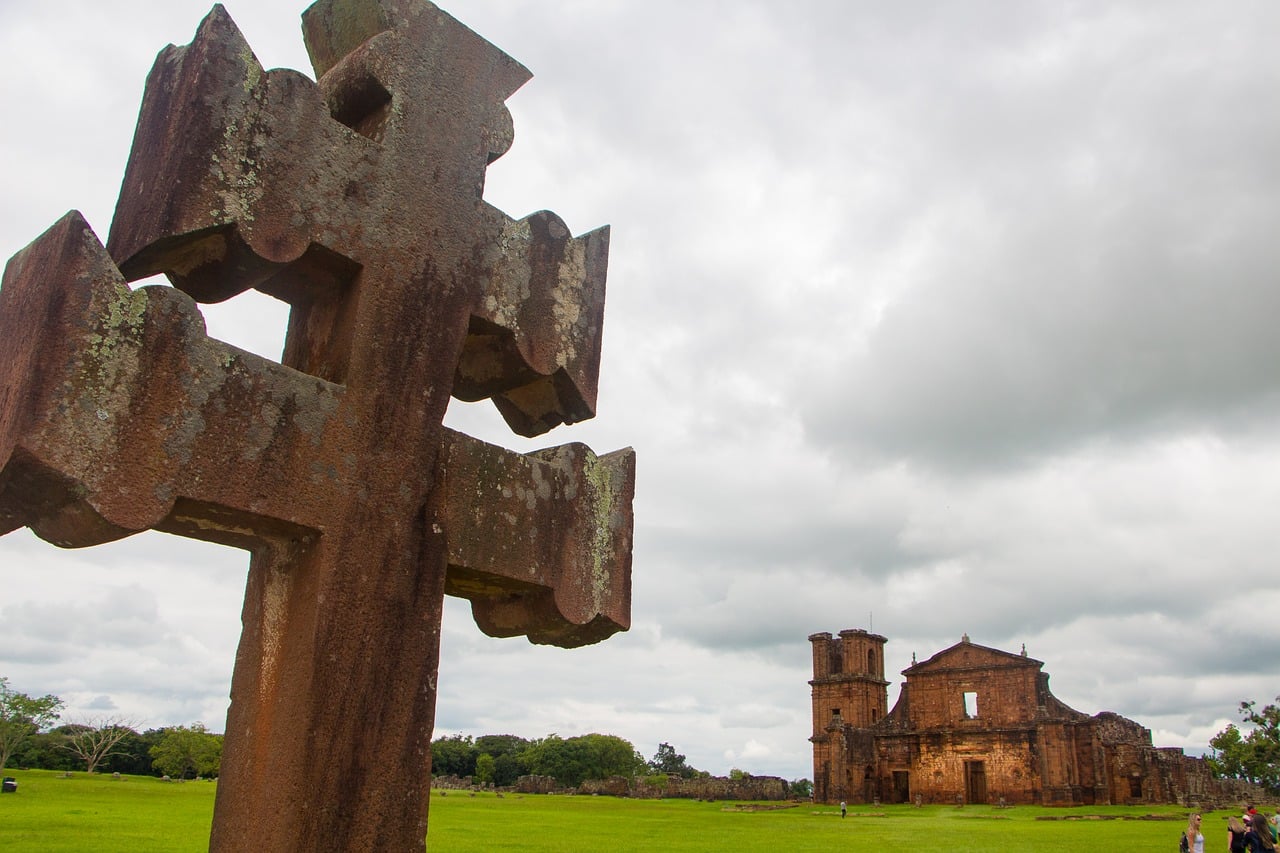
{"x": 979, "y": 725}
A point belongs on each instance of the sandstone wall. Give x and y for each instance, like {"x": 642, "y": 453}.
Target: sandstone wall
{"x": 770, "y": 788}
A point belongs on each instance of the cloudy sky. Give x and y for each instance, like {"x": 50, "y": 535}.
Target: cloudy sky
{"x": 929, "y": 318}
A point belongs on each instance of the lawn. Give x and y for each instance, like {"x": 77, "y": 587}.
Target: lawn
{"x": 50, "y": 813}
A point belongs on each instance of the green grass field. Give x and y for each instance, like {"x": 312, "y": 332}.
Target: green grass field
{"x": 50, "y": 813}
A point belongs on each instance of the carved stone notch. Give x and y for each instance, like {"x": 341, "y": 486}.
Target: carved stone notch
{"x": 357, "y": 200}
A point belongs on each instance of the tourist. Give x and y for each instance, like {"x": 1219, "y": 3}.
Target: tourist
{"x": 1235, "y": 834}
{"x": 842, "y": 808}
{"x": 1258, "y": 838}
{"x": 1192, "y": 839}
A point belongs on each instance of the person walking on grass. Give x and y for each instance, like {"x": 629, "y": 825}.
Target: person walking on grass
{"x": 1192, "y": 839}
{"x": 842, "y": 808}
{"x": 1235, "y": 835}
{"x": 1258, "y": 838}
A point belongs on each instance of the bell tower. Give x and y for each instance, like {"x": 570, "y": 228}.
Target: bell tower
{"x": 850, "y": 693}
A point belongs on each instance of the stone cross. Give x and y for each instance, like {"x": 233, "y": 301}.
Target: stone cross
{"x": 357, "y": 200}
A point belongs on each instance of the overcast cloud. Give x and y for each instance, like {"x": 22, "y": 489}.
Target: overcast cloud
{"x": 929, "y": 318}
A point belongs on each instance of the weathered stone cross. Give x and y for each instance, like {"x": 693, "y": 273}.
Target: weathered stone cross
{"x": 358, "y": 201}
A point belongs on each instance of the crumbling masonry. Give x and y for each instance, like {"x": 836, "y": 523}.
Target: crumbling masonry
{"x": 979, "y": 725}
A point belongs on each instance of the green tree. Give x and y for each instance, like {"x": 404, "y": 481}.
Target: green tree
{"x": 1228, "y": 756}
{"x": 183, "y": 752}
{"x": 44, "y": 750}
{"x": 1265, "y": 739}
{"x": 499, "y": 745}
{"x": 484, "y": 768}
{"x": 547, "y": 757}
{"x": 571, "y": 762}
{"x": 133, "y": 754}
{"x": 509, "y": 767}
{"x": 613, "y": 756}
{"x": 508, "y": 756}
{"x": 21, "y": 716}
{"x": 453, "y": 756}
{"x": 667, "y": 760}
{"x": 802, "y": 788}
{"x": 1253, "y": 756}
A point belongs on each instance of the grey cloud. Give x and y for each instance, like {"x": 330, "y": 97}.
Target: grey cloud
{"x": 101, "y": 703}
{"x": 1100, "y": 267}
{"x": 756, "y": 717}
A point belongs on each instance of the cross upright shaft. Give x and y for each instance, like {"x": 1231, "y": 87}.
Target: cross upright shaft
{"x": 357, "y": 199}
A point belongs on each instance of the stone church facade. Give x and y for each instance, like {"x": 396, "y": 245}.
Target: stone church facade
{"x": 978, "y": 725}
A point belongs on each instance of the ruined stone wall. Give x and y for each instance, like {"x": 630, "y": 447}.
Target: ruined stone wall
{"x": 860, "y": 768}
{"x": 942, "y": 766}
{"x": 452, "y": 783}
{"x": 1188, "y": 780}
{"x": 536, "y": 785}
{"x": 1005, "y": 696}
{"x": 1134, "y": 776}
{"x": 1113, "y": 729}
{"x": 823, "y": 790}
{"x": 893, "y": 755}
{"x": 1135, "y": 772}
{"x": 1069, "y": 774}
{"x": 614, "y": 786}
{"x": 769, "y": 788}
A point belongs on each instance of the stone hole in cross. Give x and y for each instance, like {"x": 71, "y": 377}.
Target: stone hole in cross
{"x": 252, "y": 321}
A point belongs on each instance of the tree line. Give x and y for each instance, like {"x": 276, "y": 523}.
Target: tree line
{"x": 501, "y": 759}
{"x": 29, "y": 738}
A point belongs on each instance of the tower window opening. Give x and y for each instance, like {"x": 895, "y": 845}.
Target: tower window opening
{"x": 971, "y": 705}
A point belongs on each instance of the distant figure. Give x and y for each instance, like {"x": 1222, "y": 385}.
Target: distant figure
{"x": 1258, "y": 839}
{"x": 1192, "y": 840}
{"x": 842, "y": 808}
{"x": 1235, "y": 835}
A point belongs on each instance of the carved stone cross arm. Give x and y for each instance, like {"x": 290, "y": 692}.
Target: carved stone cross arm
{"x": 534, "y": 340}
{"x": 540, "y": 544}
{"x": 117, "y": 408}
